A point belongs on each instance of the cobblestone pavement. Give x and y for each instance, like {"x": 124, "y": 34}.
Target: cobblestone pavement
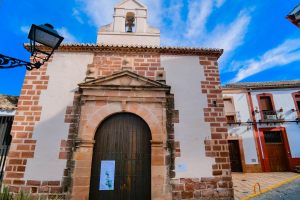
{"x": 289, "y": 191}
{"x": 243, "y": 182}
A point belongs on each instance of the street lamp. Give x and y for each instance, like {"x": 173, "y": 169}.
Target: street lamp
{"x": 43, "y": 35}
{"x": 294, "y": 16}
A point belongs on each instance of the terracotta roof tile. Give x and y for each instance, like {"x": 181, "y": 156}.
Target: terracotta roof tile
{"x": 264, "y": 85}
{"x": 139, "y": 48}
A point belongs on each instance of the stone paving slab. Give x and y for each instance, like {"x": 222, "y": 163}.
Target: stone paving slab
{"x": 243, "y": 182}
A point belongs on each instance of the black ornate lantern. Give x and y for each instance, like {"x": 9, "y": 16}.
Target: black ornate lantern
{"x": 43, "y": 35}
{"x": 294, "y": 16}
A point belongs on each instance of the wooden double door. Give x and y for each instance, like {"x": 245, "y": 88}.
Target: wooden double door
{"x": 125, "y": 139}
{"x": 277, "y": 155}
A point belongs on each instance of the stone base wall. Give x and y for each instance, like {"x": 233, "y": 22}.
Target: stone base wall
{"x": 204, "y": 188}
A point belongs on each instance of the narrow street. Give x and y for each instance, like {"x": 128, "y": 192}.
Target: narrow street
{"x": 289, "y": 191}
{"x": 243, "y": 183}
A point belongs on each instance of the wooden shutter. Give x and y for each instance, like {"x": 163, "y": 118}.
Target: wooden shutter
{"x": 266, "y": 104}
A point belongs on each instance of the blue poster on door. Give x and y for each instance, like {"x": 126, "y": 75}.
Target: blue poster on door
{"x": 107, "y": 175}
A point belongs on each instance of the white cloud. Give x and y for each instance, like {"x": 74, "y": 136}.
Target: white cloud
{"x": 25, "y": 29}
{"x": 286, "y": 53}
{"x": 199, "y": 11}
{"x": 229, "y": 37}
{"x": 155, "y": 11}
{"x": 69, "y": 38}
{"x": 99, "y": 11}
{"x": 220, "y": 3}
{"x": 76, "y": 15}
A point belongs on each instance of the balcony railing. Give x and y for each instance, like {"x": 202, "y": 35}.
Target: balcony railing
{"x": 271, "y": 116}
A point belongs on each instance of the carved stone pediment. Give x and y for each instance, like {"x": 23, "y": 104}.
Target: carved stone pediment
{"x": 124, "y": 79}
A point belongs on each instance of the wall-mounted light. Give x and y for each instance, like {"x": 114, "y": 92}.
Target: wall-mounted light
{"x": 294, "y": 16}
{"x": 43, "y": 35}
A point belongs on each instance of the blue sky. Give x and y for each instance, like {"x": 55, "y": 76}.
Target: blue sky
{"x": 259, "y": 43}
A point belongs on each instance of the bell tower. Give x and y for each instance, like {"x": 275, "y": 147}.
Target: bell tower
{"x": 129, "y": 26}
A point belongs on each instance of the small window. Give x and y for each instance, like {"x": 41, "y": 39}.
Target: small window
{"x": 273, "y": 137}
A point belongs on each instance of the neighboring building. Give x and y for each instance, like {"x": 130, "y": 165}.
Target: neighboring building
{"x": 264, "y": 125}
{"x": 156, "y": 111}
{"x": 8, "y": 106}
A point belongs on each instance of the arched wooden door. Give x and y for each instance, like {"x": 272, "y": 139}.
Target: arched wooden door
{"x": 125, "y": 139}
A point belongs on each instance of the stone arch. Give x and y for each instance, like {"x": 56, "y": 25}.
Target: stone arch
{"x": 93, "y": 113}
{"x": 99, "y": 115}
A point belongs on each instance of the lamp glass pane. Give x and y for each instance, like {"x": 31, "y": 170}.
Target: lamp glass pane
{"x": 295, "y": 10}
{"x": 46, "y": 38}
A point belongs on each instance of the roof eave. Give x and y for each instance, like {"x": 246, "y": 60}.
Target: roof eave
{"x": 127, "y": 48}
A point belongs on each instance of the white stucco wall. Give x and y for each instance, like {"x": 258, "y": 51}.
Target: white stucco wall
{"x": 142, "y": 39}
{"x": 283, "y": 99}
{"x": 293, "y": 133}
{"x": 184, "y": 74}
{"x": 65, "y": 72}
{"x": 243, "y": 114}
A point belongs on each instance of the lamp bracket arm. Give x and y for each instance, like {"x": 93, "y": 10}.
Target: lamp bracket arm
{"x": 7, "y": 62}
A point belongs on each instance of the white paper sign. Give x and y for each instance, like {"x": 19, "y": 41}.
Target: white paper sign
{"x": 107, "y": 175}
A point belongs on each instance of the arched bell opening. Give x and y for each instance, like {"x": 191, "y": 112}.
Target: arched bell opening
{"x": 130, "y": 22}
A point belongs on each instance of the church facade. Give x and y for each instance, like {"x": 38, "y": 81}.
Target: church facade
{"x": 122, "y": 119}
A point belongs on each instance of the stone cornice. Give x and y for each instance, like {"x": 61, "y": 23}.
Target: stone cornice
{"x": 94, "y": 48}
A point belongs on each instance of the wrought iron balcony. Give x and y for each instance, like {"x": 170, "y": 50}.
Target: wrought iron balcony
{"x": 271, "y": 116}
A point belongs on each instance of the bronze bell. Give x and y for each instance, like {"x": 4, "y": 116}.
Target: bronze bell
{"x": 130, "y": 23}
